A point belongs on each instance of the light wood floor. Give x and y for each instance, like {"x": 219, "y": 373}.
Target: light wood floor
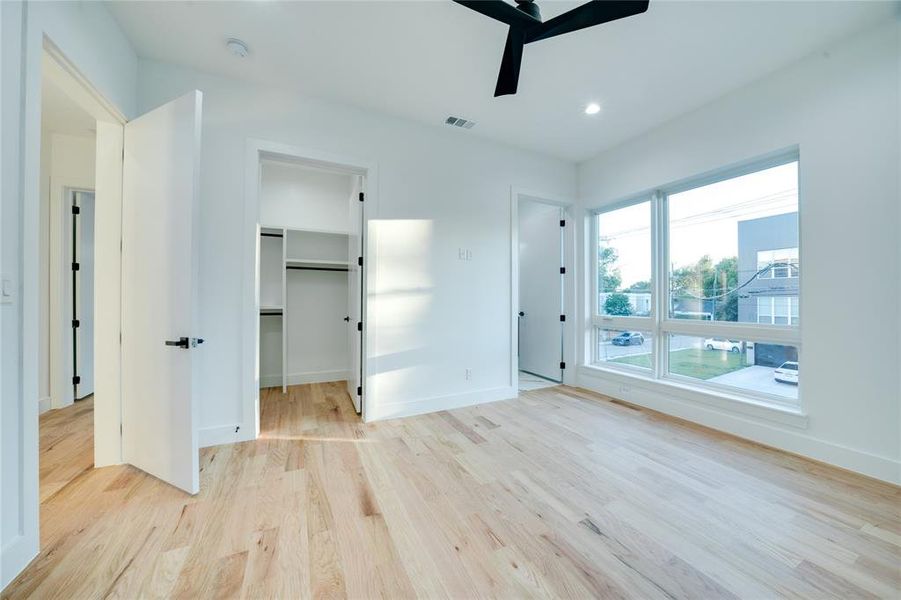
{"x": 557, "y": 494}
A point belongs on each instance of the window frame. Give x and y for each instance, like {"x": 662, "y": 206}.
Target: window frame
{"x": 660, "y": 323}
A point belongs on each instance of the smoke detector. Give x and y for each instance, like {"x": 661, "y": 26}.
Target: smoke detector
{"x": 458, "y": 122}
{"x": 237, "y": 47}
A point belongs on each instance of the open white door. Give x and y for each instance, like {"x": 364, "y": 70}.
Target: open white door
{"x": 540, "y": 289}
{"x": 355, "y": 298}
{"x": 83, "y": 348}
{"x": 159, "y": 292}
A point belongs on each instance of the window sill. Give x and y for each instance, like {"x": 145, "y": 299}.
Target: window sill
{"x": 736, "y": 404}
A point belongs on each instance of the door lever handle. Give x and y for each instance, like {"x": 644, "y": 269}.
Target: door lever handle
{"x": 347, "y": 319}
{"x": 181, "y": 342}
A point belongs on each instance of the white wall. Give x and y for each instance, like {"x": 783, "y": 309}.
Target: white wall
{"x": 88, "y": 36}
{"x": 842, "y": 109}
{"x": 431, "y": 315}
{"x": 303, "y": 198}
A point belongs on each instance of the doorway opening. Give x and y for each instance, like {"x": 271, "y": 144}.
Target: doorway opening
{"x": 67, "y": 287}
{"x": 310, "y": 259}
{"x": 540, "y": 290}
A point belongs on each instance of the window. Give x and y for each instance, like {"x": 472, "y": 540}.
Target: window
{"x": 736, "y": 364}
{"x": 624, "y": 261}
{"x": 777, "y": 310}
{"x": 628, "y": 348}
{"x": 720, "y": 258}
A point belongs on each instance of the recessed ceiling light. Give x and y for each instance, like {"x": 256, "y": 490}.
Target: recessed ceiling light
{"x": 593, "y": 108}
{"x": 237, "y": 47}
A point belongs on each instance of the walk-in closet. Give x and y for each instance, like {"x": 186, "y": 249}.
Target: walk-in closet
{"x": 310, "y": 259}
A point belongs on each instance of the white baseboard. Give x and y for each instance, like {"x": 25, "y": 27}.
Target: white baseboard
{"x": 308, "y": 377}
{"x": 752, "y": 427}
{"x": 376, "y": 411}
{"x": 15, "y": 556}
{"x": 222, "y": 434}
{"x": 44, "y": 404}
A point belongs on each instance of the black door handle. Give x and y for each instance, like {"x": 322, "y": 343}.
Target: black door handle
{"x": 181, "y": 342}
{"x": 522, "y": 314}
{"x": 347, "y": 319}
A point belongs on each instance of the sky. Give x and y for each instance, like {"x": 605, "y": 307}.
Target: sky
{"x": 702, "y": 220}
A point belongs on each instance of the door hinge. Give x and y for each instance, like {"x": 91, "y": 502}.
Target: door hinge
{"x": 76, "y": 380}
{"x": 359, "y": 390}
{"x": 360, "y": 261}
{"x": 562, "y": 318}
{"x": 562, "y": 366}
{"x": 75, "y": 266}
{"x": 359, "y": 325}
{"x": 563, "y": 270}
{"x": 562, "y": 222}
{"x": 75, "y": 210}
{"x": 75, "y": 323}
{"x": 361, "y": 196}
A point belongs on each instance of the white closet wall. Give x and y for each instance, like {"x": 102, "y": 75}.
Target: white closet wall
{"x": 300, "y": 197}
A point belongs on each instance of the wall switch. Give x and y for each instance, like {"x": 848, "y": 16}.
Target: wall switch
{"x": 6, "y": 291}
{"x": 464, "y": 254}
{"x": 468, "y": 374}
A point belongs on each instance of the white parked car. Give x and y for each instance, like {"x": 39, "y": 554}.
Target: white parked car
{"x": 787, "y": 373}
{"x": 722, "y": 344}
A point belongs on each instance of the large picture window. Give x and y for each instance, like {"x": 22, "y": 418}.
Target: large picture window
{"x": 710, "y": 271}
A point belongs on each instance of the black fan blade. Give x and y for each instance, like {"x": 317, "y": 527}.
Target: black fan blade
{"x": 508, "y": 77}
{"x": 500, "y": 10}
{"x": 593, "y": 13}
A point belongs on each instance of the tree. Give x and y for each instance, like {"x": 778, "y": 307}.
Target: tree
{"x": 639, "y": 286}
{"x": 609, "y": 278}
{"x": 617, "y": 304}
{"x": 708, "y": 287}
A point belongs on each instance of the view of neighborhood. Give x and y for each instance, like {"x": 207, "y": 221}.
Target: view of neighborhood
{"x": 733, "y": 249}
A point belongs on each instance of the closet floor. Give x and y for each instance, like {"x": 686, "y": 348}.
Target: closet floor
{"x": 559, "y": 493}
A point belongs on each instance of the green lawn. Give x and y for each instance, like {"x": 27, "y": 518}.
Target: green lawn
{"x": 692, "y": 362}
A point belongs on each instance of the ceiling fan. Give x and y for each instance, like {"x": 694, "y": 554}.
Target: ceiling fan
{"x": 526, "y": 27}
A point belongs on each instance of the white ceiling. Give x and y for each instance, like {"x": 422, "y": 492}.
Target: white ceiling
{"x": 426, "y": 60}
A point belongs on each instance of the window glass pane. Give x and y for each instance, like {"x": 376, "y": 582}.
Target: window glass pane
{"x": 632, "y": 347}
{"x": 624, "y": 261}
{"x": 749, "y": 366}
{"x": 732, "y": 242}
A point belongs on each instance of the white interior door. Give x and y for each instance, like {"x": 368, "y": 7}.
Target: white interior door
{"x": 84, "y": 294}
{"x": 354, "y": 290}
{"x": 540, "y": 289}
{"x": 159, "y": 292}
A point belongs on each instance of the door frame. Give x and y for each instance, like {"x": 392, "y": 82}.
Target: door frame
{"x": 42, "y": 55}
{"x": 569, "y": 280}
{"x": 255, "y": 151}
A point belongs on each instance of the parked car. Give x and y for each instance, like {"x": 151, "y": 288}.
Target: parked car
{"x": 628, "y": 338}
{"x": 722, "y": 344}
{"x": 787, "y": 373}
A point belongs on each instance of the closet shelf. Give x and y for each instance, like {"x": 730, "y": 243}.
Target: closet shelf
{"x": 315, "y": 262}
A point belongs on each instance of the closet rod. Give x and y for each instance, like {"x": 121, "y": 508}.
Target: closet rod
{"x": 298, "y": 268}
{"x": 278, "y": 235}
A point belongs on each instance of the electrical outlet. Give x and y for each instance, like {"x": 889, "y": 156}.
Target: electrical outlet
{"x": 624, "y": 389}
{"x": 468, "y": 374}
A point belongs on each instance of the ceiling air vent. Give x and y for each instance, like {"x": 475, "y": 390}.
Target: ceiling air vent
{"x": 458, "y": 122}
